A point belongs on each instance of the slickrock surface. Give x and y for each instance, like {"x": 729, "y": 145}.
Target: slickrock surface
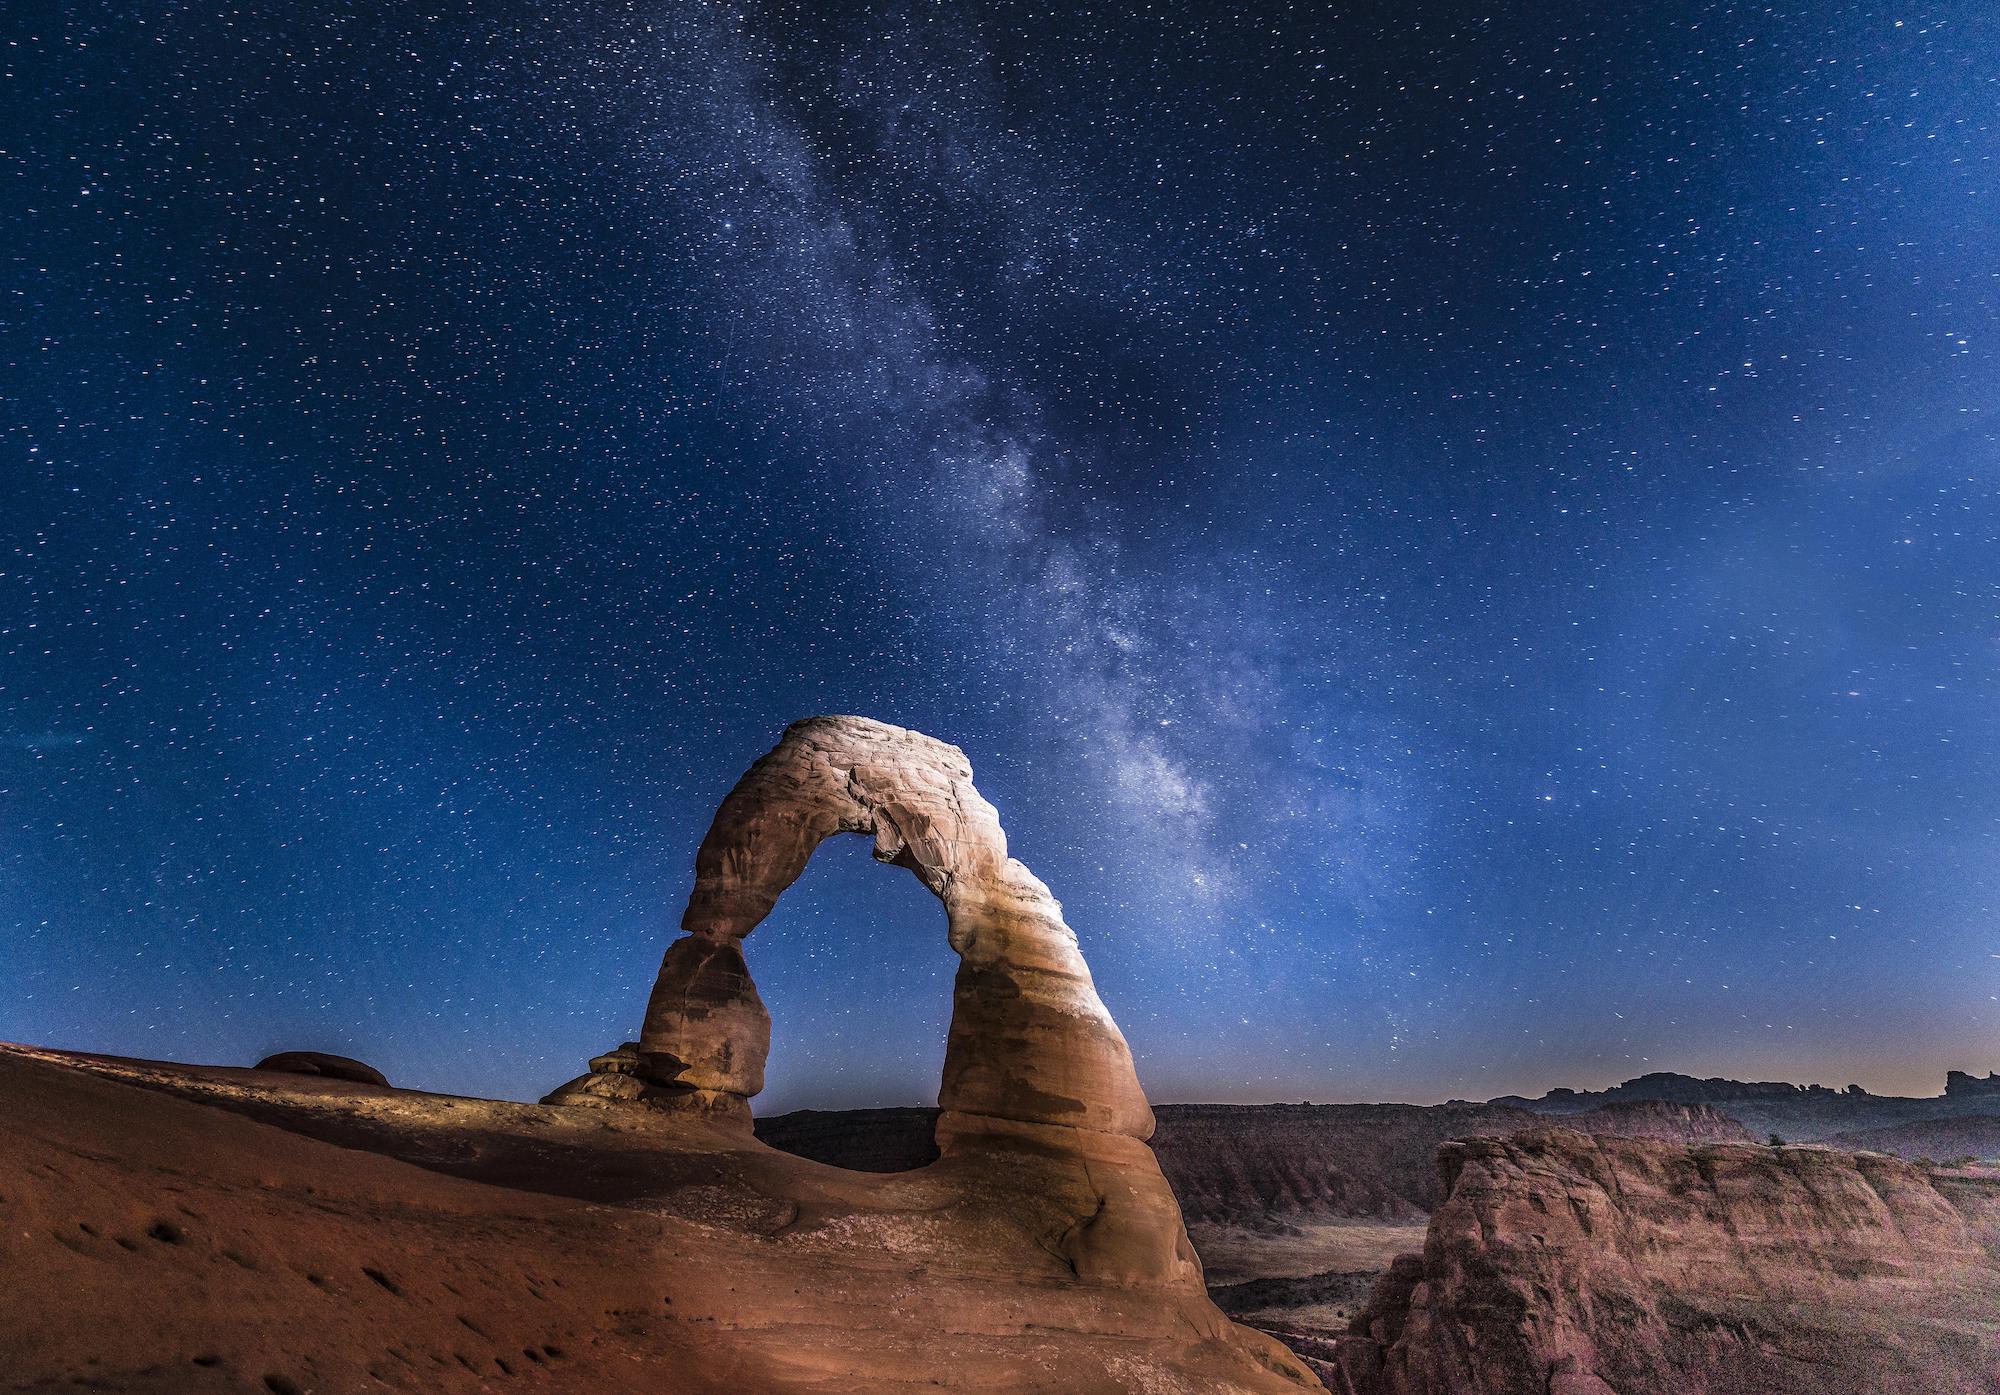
{"x": 1605, "y": 1266}
{"x": 181, "y": 1230}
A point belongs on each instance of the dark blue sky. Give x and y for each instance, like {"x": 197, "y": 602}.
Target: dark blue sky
{"x": 1464, "y": 545}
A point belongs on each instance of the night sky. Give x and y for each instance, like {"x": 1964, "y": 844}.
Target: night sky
{"x": 1465, "y": 546}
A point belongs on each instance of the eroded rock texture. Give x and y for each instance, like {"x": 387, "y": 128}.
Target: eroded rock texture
{"x": 649, "y": 1241}
{"x": 1037, "y": 1078}
{"x": 1612, "y": 1266}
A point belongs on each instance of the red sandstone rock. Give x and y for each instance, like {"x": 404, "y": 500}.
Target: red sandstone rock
{"x": 1030, "y": 1041}
{"x": 649, "y": 1243}
{"x": 1665, "y": 1120}
{"x": 1606, "y": 1266}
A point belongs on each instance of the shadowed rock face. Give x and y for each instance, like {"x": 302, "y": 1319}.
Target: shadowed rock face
{"x": 1037, "y": 1076}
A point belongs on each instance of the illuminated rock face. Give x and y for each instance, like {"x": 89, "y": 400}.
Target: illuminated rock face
{"x": 1037, "y": 1077}
{"x": 1030, "y": 1041}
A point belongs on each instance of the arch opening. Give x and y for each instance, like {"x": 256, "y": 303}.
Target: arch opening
{"x": 854, "y": 968}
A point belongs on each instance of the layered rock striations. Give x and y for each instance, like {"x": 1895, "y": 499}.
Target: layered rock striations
{"x": 1585, "y": 1265}
{"x": 1269, "y": 1166}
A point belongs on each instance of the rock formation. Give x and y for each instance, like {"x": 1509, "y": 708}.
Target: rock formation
{"x": 1661, "y": 1119}
{"x": 1798, "y": 1113}
{"x": 1942, "y": 1140}
{"x": 1030, "y": 1042}
{"x": 320, "y": 1063}
{"x": 1604, "y": 1266}
{"x": 1035, "y": 1070}
{"x": 615, "y": 1077}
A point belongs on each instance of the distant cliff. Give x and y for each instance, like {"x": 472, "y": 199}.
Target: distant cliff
{"x": 1268, "y": 1166}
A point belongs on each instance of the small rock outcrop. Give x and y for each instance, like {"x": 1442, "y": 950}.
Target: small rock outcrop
{"x": 615, "y": 1077}
{"x": 322, "y": 1064}
{"x": 1596, "y": 1265}
{"x": 1959, "y": 1085}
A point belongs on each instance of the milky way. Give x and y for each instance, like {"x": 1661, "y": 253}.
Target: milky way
{"x": 1464, "y": 546}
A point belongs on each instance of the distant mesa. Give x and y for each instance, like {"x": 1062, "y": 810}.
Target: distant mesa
{"x": 322, "y": 1064}
{"x": 1680, "y": 1089}
{"x": 1799, "y": 1113}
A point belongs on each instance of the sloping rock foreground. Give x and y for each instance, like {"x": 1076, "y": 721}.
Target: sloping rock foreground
{"x": 183, "y": 1230}
{"x": 1582, "y": 1265}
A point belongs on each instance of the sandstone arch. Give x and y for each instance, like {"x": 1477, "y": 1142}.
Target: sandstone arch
{"x": 1030, "y": 1040}
{"x": 1035, "y": 1069}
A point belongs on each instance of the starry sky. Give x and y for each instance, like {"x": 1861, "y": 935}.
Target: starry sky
{"x": 1465, "y": 545}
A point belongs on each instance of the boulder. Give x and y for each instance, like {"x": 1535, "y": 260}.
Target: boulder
{"x": 323, "y": 1064}
{"x": 616, "y": 1077}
